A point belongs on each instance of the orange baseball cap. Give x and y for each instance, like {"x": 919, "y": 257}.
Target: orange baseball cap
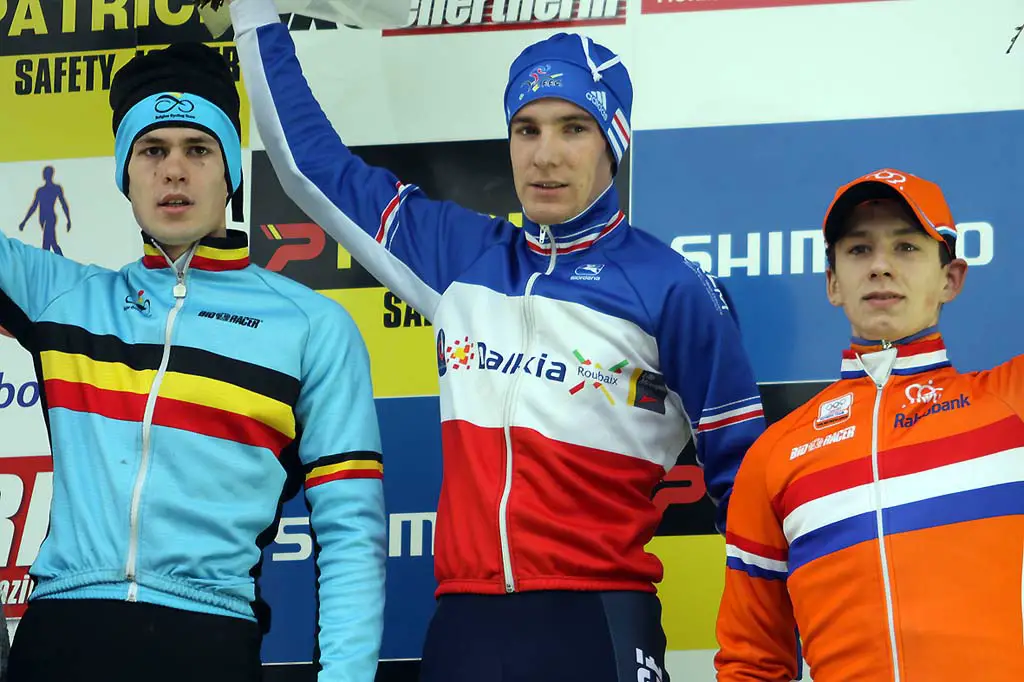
{"x": 922, "y": 197}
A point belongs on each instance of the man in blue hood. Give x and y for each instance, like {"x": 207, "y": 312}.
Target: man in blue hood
{"x": 577, "y": 357}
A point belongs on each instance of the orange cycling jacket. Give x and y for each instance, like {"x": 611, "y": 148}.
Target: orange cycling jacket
{"x": 882, "y": 524}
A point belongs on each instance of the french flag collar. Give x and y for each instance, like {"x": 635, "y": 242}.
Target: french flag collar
{"x": 920, "y": 352}
{"x": 595, "y": 223}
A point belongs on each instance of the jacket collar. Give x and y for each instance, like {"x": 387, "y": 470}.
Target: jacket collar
{"x": 596, "y": 222}
{"x": 920, "y": 352}
{"x": 211, "y": 253}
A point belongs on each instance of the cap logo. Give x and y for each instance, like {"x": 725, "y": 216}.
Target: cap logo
{"x": 599, "y": 98}
{"x": 540, "y": 77}
{"x": 165, "y": 104}
{"x": 893, "y": 178}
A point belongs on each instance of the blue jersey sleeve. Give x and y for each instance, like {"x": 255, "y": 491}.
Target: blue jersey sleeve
{"x": 705, "y": 363}
{"x": 414, "y": 245}
{"x": 340, "y": 451}
{"x": 31, "y": 278}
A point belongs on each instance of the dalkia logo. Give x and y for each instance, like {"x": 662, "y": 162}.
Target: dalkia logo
{"x": 463, "y": 354}
{"x": 441, "y": 16}
{"x": 638, "y": 387}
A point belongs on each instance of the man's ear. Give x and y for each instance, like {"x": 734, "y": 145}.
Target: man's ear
{"x": 832, "y": 287}
{"x": 956, "y": 273}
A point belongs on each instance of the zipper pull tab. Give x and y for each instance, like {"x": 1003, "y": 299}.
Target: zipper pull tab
{"x": 179, "y": 288}
{"x": 886, "y": 344}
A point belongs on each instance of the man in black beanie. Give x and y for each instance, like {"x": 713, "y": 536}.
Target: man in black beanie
{"x": 144, "y": 97}
{"x": 176, "y": 391}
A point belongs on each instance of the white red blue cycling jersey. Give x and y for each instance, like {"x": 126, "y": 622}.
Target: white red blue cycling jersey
{"x": 576, "y": 361}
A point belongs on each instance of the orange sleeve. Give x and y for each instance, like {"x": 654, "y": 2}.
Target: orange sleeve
{"x": 1007, "y": 382}
{"x": 756, "y": 629}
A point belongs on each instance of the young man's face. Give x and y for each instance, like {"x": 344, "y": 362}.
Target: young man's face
{"x": 560, "y": 160}
{"x": 888, "y": 278}
{"x": 177, "y": 185}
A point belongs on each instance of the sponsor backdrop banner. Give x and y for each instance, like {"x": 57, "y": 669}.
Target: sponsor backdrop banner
{"x": 751, "y": 211}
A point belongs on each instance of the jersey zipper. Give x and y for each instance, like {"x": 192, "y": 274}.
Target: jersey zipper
{"x": 131, "y": 564}
{"x": 883, "y": 555}
{"x": 510, "y": 403}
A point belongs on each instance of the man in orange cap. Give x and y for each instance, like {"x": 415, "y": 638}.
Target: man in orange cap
{"x": 883, "y": 520}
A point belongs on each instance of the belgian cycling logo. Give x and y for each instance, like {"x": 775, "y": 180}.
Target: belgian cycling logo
{"x": 595, "y": 375}
{"x": 137, "y": 302}
{"x": 540, "y": 77}
{"x": 165, "y": 104}
{"x": 922, "y": 393}
{"x": 173, "y": 106}
{"x": 835, "y": 411}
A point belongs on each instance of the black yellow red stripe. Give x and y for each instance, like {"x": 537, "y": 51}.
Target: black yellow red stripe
{"x": 213, "y": 253}
{"x": 73, "y": 340}
{"x": 200, "y": 391}
{"x": 362, "y": 464}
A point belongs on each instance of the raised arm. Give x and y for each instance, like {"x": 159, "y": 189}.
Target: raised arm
{"x": 412, "y": 244}
{"x": 1007, "y": 381}
{"x": 30, "y": 279}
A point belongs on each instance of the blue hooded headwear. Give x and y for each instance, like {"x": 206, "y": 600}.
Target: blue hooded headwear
{"x": 573, "y": 67}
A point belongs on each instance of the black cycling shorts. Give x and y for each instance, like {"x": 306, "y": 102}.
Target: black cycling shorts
{"x": 115, "y": 641}
{"x": 546, "y": 636}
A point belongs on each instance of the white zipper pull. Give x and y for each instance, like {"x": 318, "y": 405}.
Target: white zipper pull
{"x": 554, "y": 251}
{"x": 179, "y": 287}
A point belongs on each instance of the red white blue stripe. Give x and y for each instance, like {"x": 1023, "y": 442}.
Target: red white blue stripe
{"x": 389, "y": 216}
{"x": 571, "y": 243}
{"x": 736, "y": 412}
{"x": 972, "y": 475}
{"x": 755, "y": 559}
{"x": 618, "y": 134}
{"x": 914, "y": 358}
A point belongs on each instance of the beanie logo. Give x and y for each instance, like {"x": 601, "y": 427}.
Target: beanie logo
{"x": 166, "y": 104}
{"x": 541, "y": 77}
{"x": 599, "y": 98}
